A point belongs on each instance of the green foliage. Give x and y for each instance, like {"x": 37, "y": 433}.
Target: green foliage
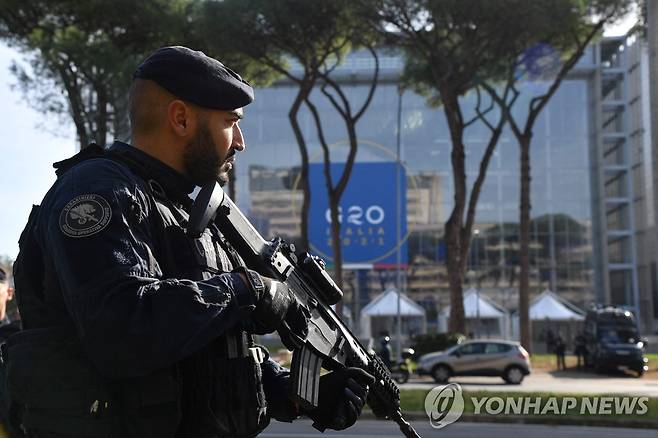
{"x": 429, "y": 343}
{"x": 556, "y": 33}
{"x": 303, "y": 41}
{"x": 82, "y": 54}
{"x": 308, "y": 33}
{"x": 216, "y": 32}
{"x": 451, "y": 45}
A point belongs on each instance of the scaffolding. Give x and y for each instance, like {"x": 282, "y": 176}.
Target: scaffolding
{"x": 614, "y": 215}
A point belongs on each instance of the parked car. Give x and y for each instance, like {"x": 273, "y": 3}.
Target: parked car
{"x": 612, "y": 341}
{"x": 506, "y": 359}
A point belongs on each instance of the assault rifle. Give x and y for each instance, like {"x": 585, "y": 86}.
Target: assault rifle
{"x": 329, "y": 343}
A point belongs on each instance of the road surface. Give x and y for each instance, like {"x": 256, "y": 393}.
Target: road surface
{"x": 380, "y": 429}
{"x": 563, "y": 381}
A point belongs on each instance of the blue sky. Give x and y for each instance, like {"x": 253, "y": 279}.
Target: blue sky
{"x": 28, "y": 147}
{"x": 27, "y": 150}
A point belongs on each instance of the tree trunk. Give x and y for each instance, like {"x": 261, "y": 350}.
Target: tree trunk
{"x": 454, "y": 264}
{"x": 453, "y": 227}
{"x": 336, "y": 247}
{"x": 524, "y": 254}
{"x": 304, "y": 91}
{"x": 120, "y": 120}
{"x": 334, "y": 200}
{"x": 75, "y": 103}
{"x": 102, "y": 118}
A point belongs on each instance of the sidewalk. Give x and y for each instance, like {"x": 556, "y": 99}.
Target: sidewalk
{"x": 574, "y": 382}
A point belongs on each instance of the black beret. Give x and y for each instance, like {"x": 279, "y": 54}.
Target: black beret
{"x": 197, "y": 78}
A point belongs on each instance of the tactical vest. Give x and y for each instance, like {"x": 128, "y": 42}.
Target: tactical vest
{"x": 216, "y": 392}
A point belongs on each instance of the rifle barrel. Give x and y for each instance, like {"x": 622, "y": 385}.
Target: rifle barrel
{"x": 406, "y": 428}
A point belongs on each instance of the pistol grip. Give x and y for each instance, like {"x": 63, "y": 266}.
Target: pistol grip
{"x": 305, "y": 374}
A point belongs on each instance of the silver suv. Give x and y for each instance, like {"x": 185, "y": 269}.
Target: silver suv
{"x": 506, "y": 359}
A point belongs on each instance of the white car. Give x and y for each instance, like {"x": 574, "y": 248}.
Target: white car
{"x": 506, "y": 359}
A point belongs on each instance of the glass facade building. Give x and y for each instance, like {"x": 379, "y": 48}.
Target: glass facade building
{"x": 562, "y": 254}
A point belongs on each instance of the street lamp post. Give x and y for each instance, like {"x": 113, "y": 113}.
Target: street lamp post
{"x": 476, "y": 232}
{"x": 398, "y": 225}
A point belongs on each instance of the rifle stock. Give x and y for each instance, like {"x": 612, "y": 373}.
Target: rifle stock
{"x": 329, "y": 343}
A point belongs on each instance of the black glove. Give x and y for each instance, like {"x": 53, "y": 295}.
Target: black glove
{"x": 275, "y": 308}
{"x": 277, "y": 385}
{"x": 343, "y": 394}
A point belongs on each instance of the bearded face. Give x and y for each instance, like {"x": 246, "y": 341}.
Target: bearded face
{"x": 202, "y": 159}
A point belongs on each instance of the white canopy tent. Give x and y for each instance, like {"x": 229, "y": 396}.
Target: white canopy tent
{"x": 380, "y": 315}
{"x": 482, "y": 316}
{"x": 548, "y": 305}
{"x": 551, "y": 313}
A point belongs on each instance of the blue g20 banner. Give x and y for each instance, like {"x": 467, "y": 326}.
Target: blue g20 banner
{"x": 367, "y": 214}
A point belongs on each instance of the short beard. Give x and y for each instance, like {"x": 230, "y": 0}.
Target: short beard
{"x": 201, "y": 160}
{"x": 222, "y": 177}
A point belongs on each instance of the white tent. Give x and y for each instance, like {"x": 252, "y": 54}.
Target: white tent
{"x": 551, "y": 313}
{"x": 382, "y": 312}
{"x": 551, "y": 306}
{"x": 482, "y": 315}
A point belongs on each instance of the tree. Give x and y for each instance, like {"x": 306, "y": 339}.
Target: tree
{"x": 269, "y": 34}
{"x": 560, "y": 30}
{"x": 448, "y": 46}
{"x": 350, "y": 117}
{"x": 278, "y": 33}
{"x": 87, "y": 50}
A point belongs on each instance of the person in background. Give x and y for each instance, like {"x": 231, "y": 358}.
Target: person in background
{"x": 385, "y": 351}
{"x": 580, "y": 350}
{"x": 6, "y": 294}
{"x": 560, "y": 349}
{"x": 7, "y": 328}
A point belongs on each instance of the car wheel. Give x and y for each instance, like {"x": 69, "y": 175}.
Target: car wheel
{"x": 513, "y": 375}
{"x": 441, "y": 373}
{"x": 639, "y": 373}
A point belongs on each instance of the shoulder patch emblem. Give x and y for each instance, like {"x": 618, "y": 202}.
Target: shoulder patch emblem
{"x": 85, "y": 215}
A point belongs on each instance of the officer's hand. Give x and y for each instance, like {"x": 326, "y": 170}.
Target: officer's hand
{"x": 343, "y": 394}
{"x": 276, "y": 308}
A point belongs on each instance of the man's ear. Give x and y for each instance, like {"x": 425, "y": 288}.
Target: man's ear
{"x": 181, "y": 118}
{"x": 10, "y": 293}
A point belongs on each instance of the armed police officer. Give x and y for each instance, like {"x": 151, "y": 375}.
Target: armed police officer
{"x": 132, "y": 328}
{"x": 7, "y": 328}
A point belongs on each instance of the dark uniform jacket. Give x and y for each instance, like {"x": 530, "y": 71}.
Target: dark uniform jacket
{"x": 150, "y": 317}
